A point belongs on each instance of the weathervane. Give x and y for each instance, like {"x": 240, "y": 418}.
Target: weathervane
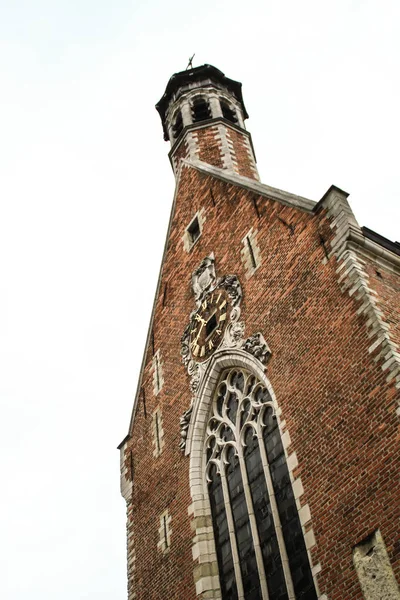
{"x": 190, "y": 63}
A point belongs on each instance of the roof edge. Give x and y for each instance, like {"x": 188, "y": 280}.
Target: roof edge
{"x": 252, "y": 185}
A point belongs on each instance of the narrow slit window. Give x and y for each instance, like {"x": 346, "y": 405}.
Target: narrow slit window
{"x": 251, "y": 252}
{"x": 165, "y": 531}
{"x": 157, "y": 372}
{"x": 157, "y": 432}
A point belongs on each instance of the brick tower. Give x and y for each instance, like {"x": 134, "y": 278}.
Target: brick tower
{"x": 262, "y": 456}
{"x": 203, "y": 115}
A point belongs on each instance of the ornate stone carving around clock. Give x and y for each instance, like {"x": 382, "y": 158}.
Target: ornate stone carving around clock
{"x": 214, "y": 325}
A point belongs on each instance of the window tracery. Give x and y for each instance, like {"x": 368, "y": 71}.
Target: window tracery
{"x": 259, "y": 540}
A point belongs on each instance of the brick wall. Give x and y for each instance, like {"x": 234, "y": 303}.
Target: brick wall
{"x": 209, "y": 146}
{"x": 335, "y": 399}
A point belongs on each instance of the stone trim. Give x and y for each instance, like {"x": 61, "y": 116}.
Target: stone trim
{"x": 251, "y": 255}
{"x": 126, "y": 483}
{"x": 285, "y": 198}
{"x": 375, "y": 573}
{"x": 249, "y": 152}
{"x": 131, "y": 564}
{"x": 157, "y": 368}
{"x": 354, "y": 281}
{"x": 157, "y": 431}
{"x": 204, "y": 554}
{"x": 188, "y": 243}
{"x": 164, "y": 532}
{"x": 226, "y": 148}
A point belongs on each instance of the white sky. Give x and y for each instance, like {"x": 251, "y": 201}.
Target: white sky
{"x": 85, "y": 192}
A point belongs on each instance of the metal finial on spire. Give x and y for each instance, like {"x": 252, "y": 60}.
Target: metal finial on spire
{"x": 190, "y": 63}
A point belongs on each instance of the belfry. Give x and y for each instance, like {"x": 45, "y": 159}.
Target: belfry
{"x": 262, "y": 457}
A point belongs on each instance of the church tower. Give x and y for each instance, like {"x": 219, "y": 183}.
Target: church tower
{"x": 262, "y": 456}
{"x": 203, "y": 114}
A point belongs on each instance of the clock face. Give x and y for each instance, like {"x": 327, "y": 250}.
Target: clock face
{"x": 208, "y": 325}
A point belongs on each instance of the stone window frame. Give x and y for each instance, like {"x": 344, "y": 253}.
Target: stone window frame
{"x": 157, "y": 432}
{"x": 164, "y": 532}
{"x": 157, "y": 368}
{"x": 251, "y": 254}
{"x": 188, "y": 242}
{"x": 206, "y": 572}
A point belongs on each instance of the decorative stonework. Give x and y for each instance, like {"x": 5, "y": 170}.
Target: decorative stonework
{"x": 258, "y": 347}
{"x": 354, "y": 280}
{"x": 204, "y": 278}
{"x": 204, "y": 282}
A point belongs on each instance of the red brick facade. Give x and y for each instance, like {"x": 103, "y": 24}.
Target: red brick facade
{"x": 337, "y": 394}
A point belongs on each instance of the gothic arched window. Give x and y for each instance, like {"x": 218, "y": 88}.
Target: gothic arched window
{"x": 258, "y": 535}
{"x": 200, "y": 109}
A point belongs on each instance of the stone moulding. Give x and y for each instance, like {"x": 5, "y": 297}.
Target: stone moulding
{"x": 347, "y": 246}
{"x": 204, "y": 554}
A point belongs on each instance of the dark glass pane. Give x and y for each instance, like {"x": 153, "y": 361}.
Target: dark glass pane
{"x": 238, "y": 380}
{"x": 227, "y": 434}
{"x": 250, "y": 384}
{"x": 232, "y": 406}
{"x": 246, "y": 406}
{"x": 263, "y": 514}
{"x": 291, "y": 528}
{"x": 262, "y": 395}
{"x": 221, "y": 534}
{"x": 211, "y": 446}
{"x": 244, "y": 538}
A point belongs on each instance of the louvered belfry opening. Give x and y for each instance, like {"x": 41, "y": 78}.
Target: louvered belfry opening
{"x": 200, "y": 109}
{"x": 177, "y": 124}
{"x": 259, "y": 540}
{"x": 227, "y": 112}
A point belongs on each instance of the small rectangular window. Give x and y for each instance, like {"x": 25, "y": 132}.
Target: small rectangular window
{"x": 194, "y": 230}
{"x": 251, "y": 252}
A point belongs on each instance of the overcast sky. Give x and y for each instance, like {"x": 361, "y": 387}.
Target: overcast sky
{"x": 85, "y": 192}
